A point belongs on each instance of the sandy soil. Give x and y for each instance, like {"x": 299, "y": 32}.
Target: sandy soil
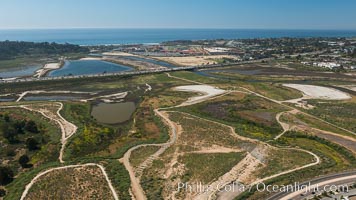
{"x": 90, "y": 58}
{"x": 319, "y": 92}
{"x": 194, "y": 60}
{"x": 207, "y": 91}
{"x": 117, "y": 53}
{"x": 48, "y": 67}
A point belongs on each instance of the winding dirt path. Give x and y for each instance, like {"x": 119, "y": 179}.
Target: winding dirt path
{"x": 136, "y": 188}
{"x": 286, "y": 127}
{"x": 135, "y": 182}
{"x": 243, "y": 170}
{"x": 292, "y": 108}
{"x": 226, "y": 178}
{"x": 67, "y": 128}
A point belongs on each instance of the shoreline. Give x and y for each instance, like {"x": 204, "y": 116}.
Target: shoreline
{"x": 48, "y": 67}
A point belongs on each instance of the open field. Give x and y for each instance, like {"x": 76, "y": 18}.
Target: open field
{"x": 310, "y": 126}
{"x": 75, "y": 183}
{"x": 194, "y": 60}
{"x": 251, "y": 116}
{"x": 140, "y": 155}
{"x": 339, "y": 113}
{"x": 206, "y": 167}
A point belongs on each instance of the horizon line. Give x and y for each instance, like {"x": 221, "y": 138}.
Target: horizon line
{"x": 175, "y": 28}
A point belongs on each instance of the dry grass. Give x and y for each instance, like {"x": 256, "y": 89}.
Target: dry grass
{"x": 194, "y": 60}
{"x": 72, "y": 183}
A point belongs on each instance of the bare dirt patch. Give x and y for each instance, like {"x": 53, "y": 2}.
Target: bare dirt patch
{"x": 207, "y": 92}
{"x": 319, "y": 92}
{"x": 194, "y": 60}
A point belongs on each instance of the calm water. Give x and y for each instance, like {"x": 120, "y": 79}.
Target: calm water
{"x": 18, "y": 72}
{"x": 86, "y": 67}
{"x": 6, "y": 99}
{"x": 113, "y": 113}
{"x": 50, "y": 98}
{"x": 129, "y": 36}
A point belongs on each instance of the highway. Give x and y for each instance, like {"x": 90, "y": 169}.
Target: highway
{"x": 333, "y": 179}
{"x": 128, "y": 73}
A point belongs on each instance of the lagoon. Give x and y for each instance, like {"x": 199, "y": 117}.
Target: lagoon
{"x": 19, "y": 72}
{"x": 88, "y": 67}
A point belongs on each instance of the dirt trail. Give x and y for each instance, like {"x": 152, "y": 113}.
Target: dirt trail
{"x": 23, "y": 94}
{"x": 68, "y": 129}
{"x": 241, "y": 172}
{"x": 292, "y": 108}
{"x": 317, "y": 161}
{"x": 34, "y": 180}
{"x": 286, "y": 127}
{"x": 136, "y": 188}
{"x": 234, "y": 174}
{"x": 252, "y": 159}
{"x": 342, "y": 140}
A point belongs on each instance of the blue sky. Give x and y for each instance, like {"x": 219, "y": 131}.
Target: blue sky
{"x": 263, "y": 14}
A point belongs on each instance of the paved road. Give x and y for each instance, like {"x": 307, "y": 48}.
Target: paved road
{"x": 339, "y": 178}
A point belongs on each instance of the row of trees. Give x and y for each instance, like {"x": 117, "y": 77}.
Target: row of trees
{"x": 12, "y": 49}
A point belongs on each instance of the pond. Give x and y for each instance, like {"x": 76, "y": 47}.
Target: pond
{"x": 50, "y": 98}
{"x": 19, "y": 72}
{"x": 6, "y": 99}
{"x": 88, "y": 67}
{"x": 113, "y": 113}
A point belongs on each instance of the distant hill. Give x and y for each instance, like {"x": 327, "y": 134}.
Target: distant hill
{"x": 13, "y": 49}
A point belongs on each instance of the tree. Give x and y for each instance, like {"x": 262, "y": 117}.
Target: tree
{"x": 32, "y": 144}
{"x": 9, "y": 133}
{"x": 31, "y": 126}
{"x": 2, "y": 192}
{"x": 6, "y": 117}
{"x": 6, "y": 175}
{"x": 23, "y": 160}
{"x": 19, "y": 126}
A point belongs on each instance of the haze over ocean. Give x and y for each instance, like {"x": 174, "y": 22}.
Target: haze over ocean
{"x": 131, "y": 36}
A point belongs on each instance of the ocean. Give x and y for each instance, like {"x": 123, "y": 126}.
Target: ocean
{"x": 145, "y": 36}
